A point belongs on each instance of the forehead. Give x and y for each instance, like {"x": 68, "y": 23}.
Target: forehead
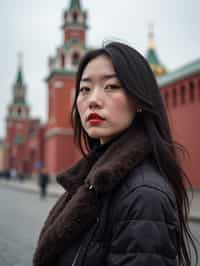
{"x": 100, "y": 67}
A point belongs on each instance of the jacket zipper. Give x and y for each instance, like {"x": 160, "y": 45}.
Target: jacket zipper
{"x": 86, "y": 244}
{"x": 76, "y": 257}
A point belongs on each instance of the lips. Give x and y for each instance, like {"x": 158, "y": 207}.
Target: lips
{"x": 95, "y": 116}
{"x": 95, "y": 119}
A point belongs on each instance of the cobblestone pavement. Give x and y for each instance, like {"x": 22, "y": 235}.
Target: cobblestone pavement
{"x": 21, "y": 217}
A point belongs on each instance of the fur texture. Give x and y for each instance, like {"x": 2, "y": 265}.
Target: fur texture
{"x": 77, "y": 209}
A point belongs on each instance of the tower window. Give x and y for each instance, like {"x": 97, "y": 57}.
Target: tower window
{"x": 19, "y": 111}
{"x": 75, "y": 59}
{"x": 191, "y": 91}
{"x": 174, "y": 97}
{"x": 183, "y": 94}
{"x": 62, "y": 60}
{"x": 75, "y": 17}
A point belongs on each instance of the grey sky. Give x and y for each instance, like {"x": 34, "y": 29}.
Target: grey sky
{"x": 33, "y": 27}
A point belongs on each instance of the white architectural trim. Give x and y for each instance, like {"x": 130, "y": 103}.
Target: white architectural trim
{"x": 59, "y": 131}
{"x": 58, "y": 84}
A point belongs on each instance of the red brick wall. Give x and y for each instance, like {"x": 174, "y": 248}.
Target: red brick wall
{"x": 183, "y": 106}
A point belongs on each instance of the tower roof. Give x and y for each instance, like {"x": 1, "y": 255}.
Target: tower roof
{"x": 19, "y": 85}
{"x": 75, "y": 4}
{"x": 152, "y": 56}
{"x": 19, "y": 78}
{"x": 18, "y": 109}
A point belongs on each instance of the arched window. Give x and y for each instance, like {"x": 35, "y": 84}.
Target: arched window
{"x": 174, "y": 97}
{"x": 182, "y": 94}
{"x": 191, "y": 86}
{"x": 75, "y": 59}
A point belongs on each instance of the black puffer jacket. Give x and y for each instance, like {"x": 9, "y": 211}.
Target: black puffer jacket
{"x": 141, "y": 225}
{"x": 127, "y": 216}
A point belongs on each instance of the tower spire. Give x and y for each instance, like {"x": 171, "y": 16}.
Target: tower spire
{"x": 151, "y": 43}
{"x": 151, "y": 55}
{"x": 20, "y": 59}
{"x": 19, "y": 78}
{"x": 75, "y": 4}
{"x": 19, "y": 109}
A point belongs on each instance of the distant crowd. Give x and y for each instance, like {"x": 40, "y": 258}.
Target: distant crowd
{"x": 42, "y": 178}
{"x": 12, "y": 174}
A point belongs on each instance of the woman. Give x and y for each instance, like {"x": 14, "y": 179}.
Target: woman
{"x": 125, "y": 202}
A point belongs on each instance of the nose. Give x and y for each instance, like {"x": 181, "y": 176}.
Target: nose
{"x": 95, "y": 99}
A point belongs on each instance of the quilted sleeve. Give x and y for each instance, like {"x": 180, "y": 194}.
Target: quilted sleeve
{"x": 145, "y": 230}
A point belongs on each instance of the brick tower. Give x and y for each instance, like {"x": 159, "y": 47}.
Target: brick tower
{"x": 17, "y": 125}
{"x": 60, "y": 152}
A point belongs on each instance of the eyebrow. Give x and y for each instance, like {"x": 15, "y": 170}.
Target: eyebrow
{"x": 103, "y": 77}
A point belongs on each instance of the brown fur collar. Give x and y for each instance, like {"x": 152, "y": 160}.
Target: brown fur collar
{"x": 75, "y": 212}
{"x": 117, "y": 161}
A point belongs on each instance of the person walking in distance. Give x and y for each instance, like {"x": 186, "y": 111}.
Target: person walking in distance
{"x": 43, "y": 182}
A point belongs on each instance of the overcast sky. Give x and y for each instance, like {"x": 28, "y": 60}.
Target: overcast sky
{"x": 33, "y": 27}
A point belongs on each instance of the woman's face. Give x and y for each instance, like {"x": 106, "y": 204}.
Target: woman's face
{"x": 104, "y": 108}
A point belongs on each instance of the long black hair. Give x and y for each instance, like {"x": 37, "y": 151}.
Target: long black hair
{"x": 138, "y": 81}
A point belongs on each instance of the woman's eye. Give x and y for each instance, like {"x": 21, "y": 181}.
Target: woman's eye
{"x": 112, "y": 87}
{"x": 84, "y": 89}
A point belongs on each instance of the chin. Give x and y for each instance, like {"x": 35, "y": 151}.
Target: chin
{"x": 98, "y": 133}
{"x": 94, "y": 136}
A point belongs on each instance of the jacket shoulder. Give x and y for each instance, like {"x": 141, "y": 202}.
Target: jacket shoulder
{"x": 146, "y": 175}
{"x": 145, "y": 193}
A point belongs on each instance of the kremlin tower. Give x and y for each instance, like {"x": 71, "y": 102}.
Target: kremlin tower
{"x": 17, "y": 123}
{"x": 18, "y": 109}
{"x": 23, "y": 147}
{"x": 59, "y": 148}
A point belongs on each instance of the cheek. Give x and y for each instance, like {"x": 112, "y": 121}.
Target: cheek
{"x": 80, "y": 105}
{"x": 123, "y": 106}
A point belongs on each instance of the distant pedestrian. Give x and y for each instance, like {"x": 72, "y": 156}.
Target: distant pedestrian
{"x": 13, "y": 174}
{"x": 21, "y": 176}
{"x": 43, "y": 182}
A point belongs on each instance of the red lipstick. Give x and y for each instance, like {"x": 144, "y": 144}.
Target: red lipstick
{"x": 95, "y": 119}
